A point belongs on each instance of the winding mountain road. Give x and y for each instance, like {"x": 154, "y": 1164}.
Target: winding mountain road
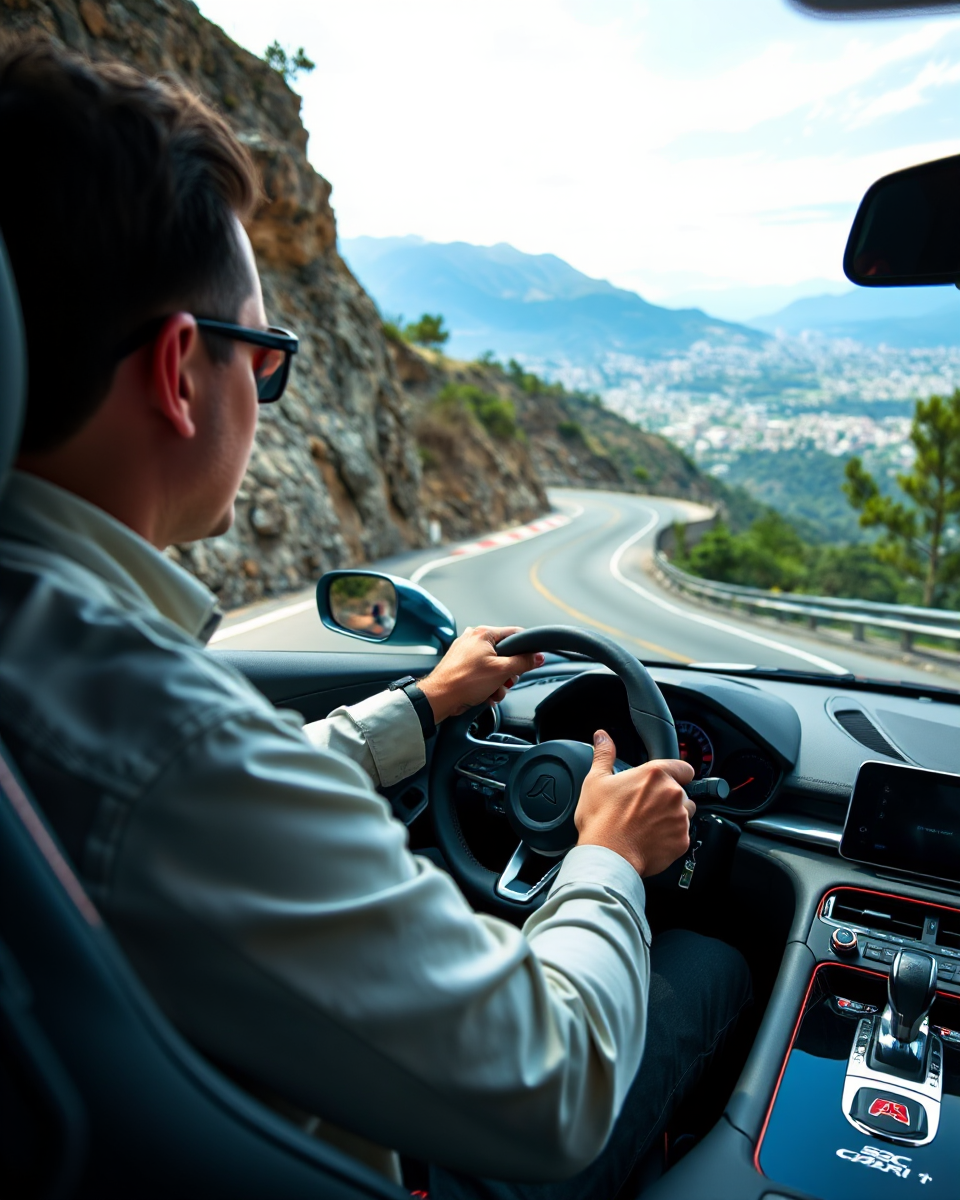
{"x": 589, "y": 572}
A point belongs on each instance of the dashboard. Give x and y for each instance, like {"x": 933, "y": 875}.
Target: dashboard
{"x": 708, "y": 739}
{"x": 789, "y": 750}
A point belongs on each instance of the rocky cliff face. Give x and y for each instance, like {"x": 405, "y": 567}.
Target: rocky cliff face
{"x": 335, "y": 475}
{"x": 474, "y": 479}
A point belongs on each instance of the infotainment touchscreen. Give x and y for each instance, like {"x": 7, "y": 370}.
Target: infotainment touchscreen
{"x": 905, "y": 819}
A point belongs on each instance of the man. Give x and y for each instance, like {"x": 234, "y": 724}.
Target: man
{"x": 247, "y": 864}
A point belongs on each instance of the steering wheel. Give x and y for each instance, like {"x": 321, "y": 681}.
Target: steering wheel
{"x": 536, "y": 786}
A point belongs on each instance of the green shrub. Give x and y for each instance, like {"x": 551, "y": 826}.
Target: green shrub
{"x": 393, "y": 333}
{"x": 495, "y": 414}
{"x": 571, "y": 430}
{"x": 288, "y": 65}
{"x": 428, "y": 331}
{"x": 641, "y": 474}
{"x": 772, "y": 554}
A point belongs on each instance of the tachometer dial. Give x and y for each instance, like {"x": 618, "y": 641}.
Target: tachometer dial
{"x": 751, "y": 777}
{"x": 695, "y": 748}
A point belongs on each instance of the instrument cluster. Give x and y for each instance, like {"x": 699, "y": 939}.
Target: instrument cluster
{"x": 713, "y": 745}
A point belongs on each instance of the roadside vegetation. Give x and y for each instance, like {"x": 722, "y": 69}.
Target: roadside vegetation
{"x": 496, "y": 414}
{"x": 914, "y": 557}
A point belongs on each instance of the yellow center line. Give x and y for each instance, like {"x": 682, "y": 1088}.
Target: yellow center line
{"x": 544, "y": 591}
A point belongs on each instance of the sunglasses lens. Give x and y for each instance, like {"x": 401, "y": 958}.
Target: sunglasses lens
{"x": 271, "y": 376}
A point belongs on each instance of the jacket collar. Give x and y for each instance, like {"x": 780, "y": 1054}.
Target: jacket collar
{"x": 35, "y": 511}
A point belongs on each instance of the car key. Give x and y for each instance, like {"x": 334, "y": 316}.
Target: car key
{"x": 690, "y": 864}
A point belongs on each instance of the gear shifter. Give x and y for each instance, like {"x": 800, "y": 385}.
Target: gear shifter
{"x": 893, "y": 1082}
{"x": 901, "y": 1042}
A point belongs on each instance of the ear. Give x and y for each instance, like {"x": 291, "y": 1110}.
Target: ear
{"x": 173, "y": 372}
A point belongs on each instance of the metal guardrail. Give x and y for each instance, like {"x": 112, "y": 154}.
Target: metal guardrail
{"x": 906, "y": 620}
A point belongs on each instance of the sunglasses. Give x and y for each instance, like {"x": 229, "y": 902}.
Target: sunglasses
{"x": 271, "y": 368}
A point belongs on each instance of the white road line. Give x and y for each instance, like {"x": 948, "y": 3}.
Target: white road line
{"x": 823, "y": 664}
{"x": 498, "y": 541}
{"x": 276, "y": 614}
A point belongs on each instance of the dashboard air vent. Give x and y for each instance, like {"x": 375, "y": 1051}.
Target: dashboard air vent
{"x": 948, "y": 932}
{"x": 856, "y": 722}
{"x": 885, "y": 914}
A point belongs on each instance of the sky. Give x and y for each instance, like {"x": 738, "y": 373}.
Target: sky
{"x": 695, "y": 151}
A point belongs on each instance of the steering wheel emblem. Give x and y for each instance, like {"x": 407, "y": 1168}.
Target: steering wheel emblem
{"x": 546, "y": 787}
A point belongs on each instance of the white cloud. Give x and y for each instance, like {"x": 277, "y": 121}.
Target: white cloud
{"x": 571, "y": 130}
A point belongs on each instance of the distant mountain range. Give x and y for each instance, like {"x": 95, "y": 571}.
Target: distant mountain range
{"x": 532, "y": 305}
{"x": 538, "y": 306}
{"x": 907, "y": 318}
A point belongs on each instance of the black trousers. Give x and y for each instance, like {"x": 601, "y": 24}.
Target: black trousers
{"x": 698, "y": 988}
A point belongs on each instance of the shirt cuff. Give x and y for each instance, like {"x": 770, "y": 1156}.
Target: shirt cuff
{"x": 599, "y": 866}
{"x": 391, "y": 729}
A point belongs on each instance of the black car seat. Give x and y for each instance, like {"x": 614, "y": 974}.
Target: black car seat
{"x": 99, "y": 1095}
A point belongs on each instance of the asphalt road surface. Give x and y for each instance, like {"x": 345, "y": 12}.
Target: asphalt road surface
{"x": 591, "y": 573}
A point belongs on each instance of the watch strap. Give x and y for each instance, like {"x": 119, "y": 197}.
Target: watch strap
{"x": 421, "y": 705}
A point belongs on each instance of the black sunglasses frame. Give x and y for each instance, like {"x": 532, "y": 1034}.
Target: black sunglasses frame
{"x": 273, "y": 338}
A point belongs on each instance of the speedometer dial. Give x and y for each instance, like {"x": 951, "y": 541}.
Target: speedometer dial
{"x": 695, "y": 748}
{"x": 752, "y": 778}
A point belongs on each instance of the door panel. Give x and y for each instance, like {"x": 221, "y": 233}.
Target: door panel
{"x": 315, "y": 683}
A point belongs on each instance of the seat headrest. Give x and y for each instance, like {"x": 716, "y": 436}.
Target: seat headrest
{"x": 13, "y": 366}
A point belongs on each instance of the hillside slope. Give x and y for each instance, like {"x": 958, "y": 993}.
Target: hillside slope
{"x": 531, "y": 305}
{"x": 540, "y": 432}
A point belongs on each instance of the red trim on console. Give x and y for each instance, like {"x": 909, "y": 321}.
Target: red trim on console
{"x": 803, "y": 1012}
{"x": 793, "y": 1037}
{"x": 886, "y": 895}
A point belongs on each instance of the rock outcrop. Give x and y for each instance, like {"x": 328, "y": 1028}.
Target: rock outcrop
{"x": 335, "y": 475}
{"x": 474, "y": 479}
{"x": 562, "y": 439}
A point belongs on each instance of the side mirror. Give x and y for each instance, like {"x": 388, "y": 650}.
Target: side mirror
{"x": 907, "y": 230}
{"x": 383, "y": 608}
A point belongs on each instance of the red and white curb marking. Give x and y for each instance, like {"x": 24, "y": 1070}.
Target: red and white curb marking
{"x": 497, "y": 541}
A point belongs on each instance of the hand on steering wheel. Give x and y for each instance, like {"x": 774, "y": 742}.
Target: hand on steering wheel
{"x": 473, "y": 672}
{"x": 643, "y": 814}
{"x": 537, "y": 787}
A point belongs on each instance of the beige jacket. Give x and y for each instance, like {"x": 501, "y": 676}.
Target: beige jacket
{"x": 266, "y": 894}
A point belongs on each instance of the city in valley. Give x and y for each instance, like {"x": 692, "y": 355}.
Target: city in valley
{"x": 781, "y": 419}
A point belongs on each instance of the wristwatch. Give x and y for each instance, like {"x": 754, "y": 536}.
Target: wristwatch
{"x": 421, "y": 705}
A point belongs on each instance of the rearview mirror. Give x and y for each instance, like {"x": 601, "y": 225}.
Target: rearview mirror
{"x": 383, "y": 608}
{"x": 907, "y": 229}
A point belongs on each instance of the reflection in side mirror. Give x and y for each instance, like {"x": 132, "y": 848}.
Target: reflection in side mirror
{"x": 907, "y": 229}
{"x": 365, "y": 605}
{"x": 383, "y": 608}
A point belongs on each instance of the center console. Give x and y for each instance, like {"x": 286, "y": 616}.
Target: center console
{"x": 852, "y": 1091}
{"x": 858, "y": 1112}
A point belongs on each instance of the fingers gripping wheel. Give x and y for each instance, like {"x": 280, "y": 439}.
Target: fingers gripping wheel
{"x": 536, "y": 787}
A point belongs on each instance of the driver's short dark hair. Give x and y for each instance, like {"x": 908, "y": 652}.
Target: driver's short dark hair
{"x": 117, "y": 206}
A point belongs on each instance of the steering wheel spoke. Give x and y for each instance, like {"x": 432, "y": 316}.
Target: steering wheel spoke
{"x": 490, "y": 762}
{"x": 526, "y": 875}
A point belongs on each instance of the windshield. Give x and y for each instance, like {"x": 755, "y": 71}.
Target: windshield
{"x": 583, "y": 351}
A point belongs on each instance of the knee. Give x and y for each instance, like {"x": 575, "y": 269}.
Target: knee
{"x": 704, "y": 959}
